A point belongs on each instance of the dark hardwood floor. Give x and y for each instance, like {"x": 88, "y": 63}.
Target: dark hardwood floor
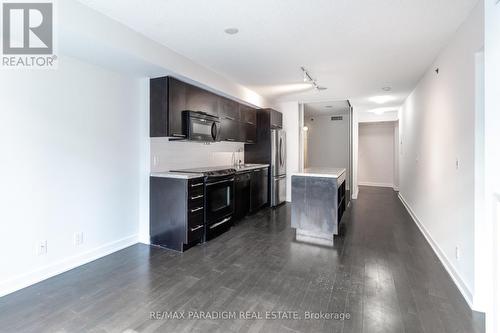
{"x": 381, "y": 273}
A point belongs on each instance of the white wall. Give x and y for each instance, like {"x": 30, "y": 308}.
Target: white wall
{"x": 171, "y": 155}
{"x": 369, "y": 117}
{"x": 71, "y": 154}
{"x": 437, "y": 128}
{"x": 355, "y": 152}
{"x": 376, "y": 154}
{"x": 489, "y": 267}
{"x": 291, "y": 125}
{"x": 396, "y": 156}
{"x": 327, "y": 142}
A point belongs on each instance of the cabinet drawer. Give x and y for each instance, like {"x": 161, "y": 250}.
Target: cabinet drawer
{"x": 196, "y": 193}
{"x": 195, "y": 184}
{"x": 195, "y": 205}
{"x": 195, "y": 210}
{"x": 195, "y": 233}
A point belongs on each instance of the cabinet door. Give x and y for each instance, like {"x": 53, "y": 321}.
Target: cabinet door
{"x": 242, "y": 195}
{"x": 264, "y": 189}
{"x": 198, "y": 99}
{"x": 228, "y": 109}
{"x": 158, "y": 107}
{"x": 249, "y": 133}
{"x": 229, "y": 130}
{"x": 248, "y": 115}
{"x": 259, "y": 189}
{"x": 276, "y": 119}
{"x": 177, "y": 99}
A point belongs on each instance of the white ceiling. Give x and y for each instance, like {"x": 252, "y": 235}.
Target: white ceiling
{"x": 353, "y": 47}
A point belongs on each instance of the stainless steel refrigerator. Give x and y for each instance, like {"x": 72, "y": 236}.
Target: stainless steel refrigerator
{"x": 278, "y": 167}
{"x": 270, "y": 148}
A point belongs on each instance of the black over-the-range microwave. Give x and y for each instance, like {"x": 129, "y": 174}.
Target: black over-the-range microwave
{"x": 200, "y": 126}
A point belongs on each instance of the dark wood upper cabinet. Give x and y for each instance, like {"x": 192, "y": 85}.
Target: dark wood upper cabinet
{"x": 248, "y": 114}
{"x": 228, "y": 109}
{"x": 195, "y": 98}
{"x": 230, "y": 130}
{"x": 276, "y": 119}
{"x": 169, "y": 97}
{"x": 249, "y": 132}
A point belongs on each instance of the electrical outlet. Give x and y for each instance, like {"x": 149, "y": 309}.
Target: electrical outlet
{"x": 457, "y": 252}
{"x": 78, "y": 238}
{"x": 41, "y": 248}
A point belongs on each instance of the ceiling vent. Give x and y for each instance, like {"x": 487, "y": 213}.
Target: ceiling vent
{"x": 335, "y": 118}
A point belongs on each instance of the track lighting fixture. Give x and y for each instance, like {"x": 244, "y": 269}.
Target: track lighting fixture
{"x": 308, "y": 78}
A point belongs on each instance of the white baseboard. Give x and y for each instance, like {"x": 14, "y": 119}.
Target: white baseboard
{"x": 43, "y": 273}
{"x": 375, "y": 184}
{"x": 461, "y": 285}
{"x": 355, "y": 194}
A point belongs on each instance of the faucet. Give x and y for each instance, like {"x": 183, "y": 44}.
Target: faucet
{"x": 239, "y": 157}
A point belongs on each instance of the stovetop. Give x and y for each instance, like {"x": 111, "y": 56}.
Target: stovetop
{"x": 209, "y": 171}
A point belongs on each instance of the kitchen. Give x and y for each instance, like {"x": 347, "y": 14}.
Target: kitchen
{"x": 249, "y": 166}
{"x": 191, "y": 206}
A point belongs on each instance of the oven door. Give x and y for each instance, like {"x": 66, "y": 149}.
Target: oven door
{"x": 219, "y": 200}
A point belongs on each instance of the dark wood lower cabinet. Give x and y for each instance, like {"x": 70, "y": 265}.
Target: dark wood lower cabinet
{"x": 242, "y": 183}
{"x": 259, "y": 189}
{"x": 177, "y": 213}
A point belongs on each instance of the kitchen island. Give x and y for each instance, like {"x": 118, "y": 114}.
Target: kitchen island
{"x": 318, "y": 203}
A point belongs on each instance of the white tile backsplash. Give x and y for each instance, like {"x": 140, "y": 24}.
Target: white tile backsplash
{"x": 170, "y": 155}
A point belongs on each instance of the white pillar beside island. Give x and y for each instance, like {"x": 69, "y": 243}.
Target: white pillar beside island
{"x": 318, "y": 202}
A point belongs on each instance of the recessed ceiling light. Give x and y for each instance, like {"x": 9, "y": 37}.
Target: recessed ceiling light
{"x": 231, "y": 31}
{"x": 382, "y": 99}
{"x": 386, "y": 88}
{"x": 328, "y": 106}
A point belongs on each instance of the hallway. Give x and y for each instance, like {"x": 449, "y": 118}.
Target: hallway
{"x": 381, "y": 272}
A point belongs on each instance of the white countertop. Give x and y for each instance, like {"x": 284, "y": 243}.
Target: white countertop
{"x": 321, "y": 172}
{"x": 246, "y": 167}
{"x": 187, "y": 175}
{"x": 178, "y": 175}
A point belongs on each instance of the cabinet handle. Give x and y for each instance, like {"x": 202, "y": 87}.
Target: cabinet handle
{"x": 178, "y": 135}
{"x": 221, "y": 222}
{"x": 197, "y": 197}
{"x": 196, "y": 228}
{"x": 230, "y": 140}
{"x": 250, "y": 123}
{"x": 251, "y": 141}
{"x": 229, "y": 118}
{"x": 196, "y": 209}
{"x": 196, "y": 185}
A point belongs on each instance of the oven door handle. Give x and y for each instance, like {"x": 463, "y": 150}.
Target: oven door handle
{"x": 220, "y": 182}
{"x": 221, "y": 222}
